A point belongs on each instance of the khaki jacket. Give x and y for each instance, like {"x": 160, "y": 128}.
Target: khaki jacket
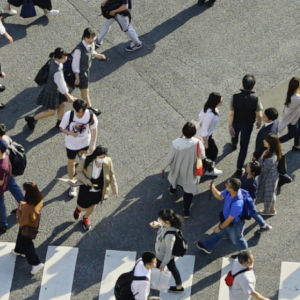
{"x": 108, "y": 176}
{"x": 29, "y": 215}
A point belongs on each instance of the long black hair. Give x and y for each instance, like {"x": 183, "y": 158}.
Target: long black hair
{"x": 176, "y": 221}
{"x": 212, "y": 102}
{"x": 58, "y": 53}
{"x": 97, "y": 152}
{"x": 293, "y": 86}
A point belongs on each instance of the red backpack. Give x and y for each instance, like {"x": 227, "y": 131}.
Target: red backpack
{"x": 230, "y": 277}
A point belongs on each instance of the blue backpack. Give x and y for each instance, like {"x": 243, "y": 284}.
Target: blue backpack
{"x": 249, "y": 206}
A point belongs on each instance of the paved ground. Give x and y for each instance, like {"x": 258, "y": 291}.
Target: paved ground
{"x": 146, "y": 97}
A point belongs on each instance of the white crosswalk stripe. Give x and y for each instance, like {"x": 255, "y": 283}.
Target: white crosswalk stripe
{"x": 224, "y": 290}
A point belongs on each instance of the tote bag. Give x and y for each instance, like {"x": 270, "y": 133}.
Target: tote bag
{"x": 28, "y": 10}
{"x": 160, "y": 279}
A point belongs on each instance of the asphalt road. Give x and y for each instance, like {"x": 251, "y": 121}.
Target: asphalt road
{"x": 146, "y": 97}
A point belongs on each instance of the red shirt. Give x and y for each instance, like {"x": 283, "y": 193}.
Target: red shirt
{"x": 4, "y": 174}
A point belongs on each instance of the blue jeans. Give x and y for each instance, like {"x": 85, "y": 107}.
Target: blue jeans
{"x": 235, "y": 233}
{"x": 293, "y": 132}
{"x": 18, "y": 195}
{"x": 259, "y": 219}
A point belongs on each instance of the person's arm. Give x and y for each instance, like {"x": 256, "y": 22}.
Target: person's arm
{"x": 209, "y": 116}
{"x": 217, "y": 194}
{"x": 259, "y": 116}
{"x": 80, "y": 174}
{"x": 62, "y": 86}
{"x": 143, "y": 290}
{"x": 94, "y": 133}
{"x": 76, "y": 65}
{"x": 258, "y": 296}
{"x": 121, "y": 8}
{"x": 226, "y": 223}
{"x": 170, "y": 241}
{"x": 113, "y": 181}
{"x": 9, "y": 38}
{"x": 23, "y": 215}
{"x": 169, "y": 158}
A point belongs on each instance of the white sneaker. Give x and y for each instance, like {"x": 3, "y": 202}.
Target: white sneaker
{"x": 214, "y": 172}
{"x": 73, "y": 191}
{"x": 10, "y": 12}
{"x": 52, "y": 13}
{"x": 35, "y": 269}
{"x": 16, "y": 253}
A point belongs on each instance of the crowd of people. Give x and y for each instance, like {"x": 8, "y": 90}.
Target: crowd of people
{"x": 93, "y": 177}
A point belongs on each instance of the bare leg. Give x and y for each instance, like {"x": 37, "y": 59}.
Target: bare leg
{"x": 60, "y": 111}
{"x": 71, "y": 168}
{"x": 86, "y": 96}
{"x": 89, "y": 211}
{"x": 45, "y": 114}
{"x": 7, "y": 6}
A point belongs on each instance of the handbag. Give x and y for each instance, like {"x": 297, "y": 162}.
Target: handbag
{"x": 28, "y": 10}
{"x": 29, "y": 232}
{"x": 281, "y": 167}
{"x": 199, "y": 164}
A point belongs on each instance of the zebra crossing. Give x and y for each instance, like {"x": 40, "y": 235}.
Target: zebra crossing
{"x": 58, "y": 274}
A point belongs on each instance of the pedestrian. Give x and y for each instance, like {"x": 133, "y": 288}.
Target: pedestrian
{"x": 249, "y": 183}
{"x": 7, "y": 182}
{"x": 182, "y": 159}
{"x": 243, "y": 286}
{"x": 80, "y": 129}
{"x": 208, "y": 120}
{"x": 97, "y": 174}
{"x": 3, "y": 30}
{"x": 210, "y": 3}
{"x": 55, "y": 92}
{"x": 291, "y": 114}
{"x": 141, "y": 288}
{"x": 81, "y": 63}
{"x": 45, "y": 5}
{"x": 122, "y": 16}
{"x": 29, "y": 215}
{"x": 231, "y": 223}
{"x": 168, "y": 221}
{"x": 268, "y": 179}
{"x": 245, "y": 107}
{"x": 2, "y": 87}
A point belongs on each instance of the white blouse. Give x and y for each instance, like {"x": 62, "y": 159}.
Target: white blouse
{"x": 208, "y": 122}
{"x": 96, "y": 171}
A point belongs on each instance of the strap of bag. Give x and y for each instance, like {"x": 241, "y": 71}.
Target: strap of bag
{"x": 242, "y": 271}
{"x": 198, "y": 150}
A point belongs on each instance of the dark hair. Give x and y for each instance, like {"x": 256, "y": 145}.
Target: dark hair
{"x": 79, "y": 104}
{"x": 97, "y": 152}
{"x": 1, "y": 13}
{"x": 235, "y": 183}
{"x": 33, "y": 195}
{"x": 88, "y": 32}
{"x": 249, "y": 82}
{"x": 271, "y": 113}
{"x": 2, "y": 129}
{"x": 189, "y": 130}
{"x": 58, "y": 53}
{"x": 275, "y": 146}
{"x": 212, "y": 102}
{"x": 293, "y": 86}
{"x": 244, "y": 256}
{"x": 147, "y": 257}
{"x": 176, "y": 221}
{"x": 255, "y": 168}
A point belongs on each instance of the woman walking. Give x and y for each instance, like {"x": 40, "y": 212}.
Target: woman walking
{"x": 208, "y": 120}
{"x": 291, "y": 114}
{"x": 268, "y": 179}
{"x": 28, "y": 215}
{"x": 182, "y": 158}
{"x": 168, "y": 221}
{"x": 55, "y": 92}
{"x": 97, "y": 174}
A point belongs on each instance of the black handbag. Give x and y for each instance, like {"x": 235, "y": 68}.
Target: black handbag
{"x": 43, "y": 74}
{"x": 28, "y": 10}
{"x": 29, "y": 232}
{"x": 281, "y": 167}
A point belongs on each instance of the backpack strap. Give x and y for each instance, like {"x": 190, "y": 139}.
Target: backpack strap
{"x": 138, "y": 277}
{"x": 171, "y": 232}
{"x": 91, "y": 117}
{"x": 70, "y": 119}
{"x": 242, "y": 271}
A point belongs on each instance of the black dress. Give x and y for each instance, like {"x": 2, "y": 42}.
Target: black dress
{"x": 86, "y": 198}
{"x": 43, "y": 4}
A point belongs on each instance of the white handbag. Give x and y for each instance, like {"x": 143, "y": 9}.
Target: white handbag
{"x": 160, "y": 279}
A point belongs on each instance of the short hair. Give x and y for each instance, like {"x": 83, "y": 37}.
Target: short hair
{"x": 189, "y": 130}
{"x": 255, "y": 168}
{"x": 79, "y": 104}
{"x": 271, "y": 113}
{"x": 147, "y": 257}
{"x": 2, "y": 129}
{"x": 244, "y": 256}
{"x": 235, "y": 183}
{"x": 249, "y": 82}
{"x": 88, "y": 32}
{"x": 58, "y": 53}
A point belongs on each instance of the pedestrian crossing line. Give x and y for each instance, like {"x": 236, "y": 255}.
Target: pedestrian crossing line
{"x": 185, "y": 266}
{"x": 224, "y": 289}
{"x": 58, "y": 273}
{"x": 7, "y": 267}
{"x": 115, "y": 264}
{"x": 289, "y": 286}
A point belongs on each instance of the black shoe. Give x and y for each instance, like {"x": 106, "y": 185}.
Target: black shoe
{"x": 57, "y": 123}
{"x": 2, "y": 105}
{"x": 233, "y": 146}
{"x": 98, "y": 44}
{"x": 172, "y": 191}
{"x": 211, "y": 3}
{"x": 3, "y": 228}
{"x": 200, "y": 2}
{"x": 96, "y": 111}
{"x": 30, "y": 122}
{"x": 14, "y": 211}
{"x": 173, "y": 289}
{"x": 202, "y": 247}
{"x": 2, "y": 88}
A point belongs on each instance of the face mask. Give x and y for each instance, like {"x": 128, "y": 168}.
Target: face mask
{"x": 100, "y": 160}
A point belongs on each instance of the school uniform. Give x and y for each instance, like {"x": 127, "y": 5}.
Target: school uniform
{"x": 43, "y": 4}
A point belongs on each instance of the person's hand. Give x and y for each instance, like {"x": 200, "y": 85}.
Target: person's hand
{"x": 154, "y": 224}
{"x": 217, "y": 229}
{"x": 231, "y": 132}
{"x": 71, "y": 99}
{"x": 88, "y": 183}
{"x": 74, "y": 134}
{"x": 161, "y": 268}
{"x": 101, "y": 56}
{"x": 10, "y": 39}
{"x": 211, "y": 186}
{"x": 77, "y": 81}
{"x": 112, "y": 13}
{"x": 258, "y": 124}
{"x": 2, "y": 75}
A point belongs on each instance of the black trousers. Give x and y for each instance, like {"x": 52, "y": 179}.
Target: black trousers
{"x": 173, "y": 269}
{"x": 212, "y": 150}
{"x": 24, "y": 245}
{"x": 43, "y": 4}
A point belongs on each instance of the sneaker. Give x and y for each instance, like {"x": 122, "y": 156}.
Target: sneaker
{"x": 172, "y": 191}
{"x": 96, "y": 111}
{"x": 10, "y": 12}
{"x": 73, "y": 191}
{"x": 173, "y": 289}
{"x": 239, "y": 172}
{"x": 86, "y": 224}
{"x": 214, "y": 172}
{"x": 76, "y": 213}
{"x": 17, "y": 253}
{"x": 134, "y": 47}
{"x": 2, "y": 88}
{"x": 3, "y": 228}
{"x": 267, "y": 213}
{"x": 31, "y": 122}
{"x": 37, "y": 268}
{"x": 264, "y": 229}
{"x": 202, "y": 247}
{"x": 52, "y": 13}
{"x": 98, "y": 44}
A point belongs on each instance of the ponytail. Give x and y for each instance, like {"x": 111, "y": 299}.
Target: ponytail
{"x": 175, "y": 220}
{"x": 51, "y": 55}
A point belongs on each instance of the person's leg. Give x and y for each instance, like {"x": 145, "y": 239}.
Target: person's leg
{"x": 246, "y": 131}
{"x": 173, "y": 269}
{"x": 19, "y": 246}
{"x": 14, "y": 189}
{"x": 71, "y": 168}
{"x": 43, "y": 4}
{"x": 44, "y": 114}
{"x": 187, "y": 201}
{"x": 89, "y": 210}
{"x": 212, "y": 152}
{"x": 259, "y": 220}
{"x": 60, "y": 111}
{"x": 3, "y": 219}
{"x": 236, "y": 234}
{"x": 28, "y": 249}
{"x": 85, "y": 95}
{"x": 297, "y": 135}
{"x": 214, "y": 240}
{"x": 292, "y": 131}
{"x": 105, "y": 29}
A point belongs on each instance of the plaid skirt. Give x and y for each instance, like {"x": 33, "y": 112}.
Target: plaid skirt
{"x": 40, "y": 3}
{"x": 51, "y": 100}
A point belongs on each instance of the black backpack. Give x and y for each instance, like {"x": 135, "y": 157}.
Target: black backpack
{"x": 43, "y": 74}
{"x": 109, "y": 6}
{"x": 123, "y": 285}
{"x": 180, "y": 245}
{"x": 17, "y": 158}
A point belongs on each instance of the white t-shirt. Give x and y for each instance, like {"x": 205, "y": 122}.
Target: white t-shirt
{"x": 82, "y": 127}
{"x": 2, "y": 28}
{"x": 141, "y": 288}
{"x": 208, "y": 122}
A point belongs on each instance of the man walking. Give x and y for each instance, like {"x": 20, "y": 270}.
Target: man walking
{"x": 245, "y": 107}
